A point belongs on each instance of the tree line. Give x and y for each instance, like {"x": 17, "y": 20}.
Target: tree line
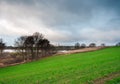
{"x": 31, "y": 47}
{"x": 34, "y": 46}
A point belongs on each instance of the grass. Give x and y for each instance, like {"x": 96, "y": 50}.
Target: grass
{"x": 114, "y": 81}
{"x": 77, "y": 68}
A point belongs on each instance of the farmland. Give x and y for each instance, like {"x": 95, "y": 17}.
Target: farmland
{"x": 79, "y": 68}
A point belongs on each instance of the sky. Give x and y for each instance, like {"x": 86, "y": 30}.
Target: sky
{"x": 63, "y": 22}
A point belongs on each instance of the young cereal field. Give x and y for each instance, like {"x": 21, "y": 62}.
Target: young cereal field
{"x": 79, "y": 68}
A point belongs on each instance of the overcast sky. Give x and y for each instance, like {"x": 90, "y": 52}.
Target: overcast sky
{"x": 61, "y": 21}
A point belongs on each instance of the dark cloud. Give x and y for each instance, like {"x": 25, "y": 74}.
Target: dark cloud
{"x": 64, "y": 20}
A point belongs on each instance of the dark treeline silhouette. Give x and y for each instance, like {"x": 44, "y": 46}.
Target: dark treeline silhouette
{"x": 118, "y": 44}
{"x": 92, "y": 45}
{"x": 77, "y": 45}
{"x": 33, "y": 46}
{"x": 103, "y": 45}
{"x": 83, "y": 45}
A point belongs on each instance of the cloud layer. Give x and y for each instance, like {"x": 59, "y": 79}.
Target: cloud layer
{"x": 63, "y": 21}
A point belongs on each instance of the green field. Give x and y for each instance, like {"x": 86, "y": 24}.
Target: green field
{"x": 77, "y": 68}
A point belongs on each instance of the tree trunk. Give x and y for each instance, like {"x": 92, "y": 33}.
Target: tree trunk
{"x": 32, "y": 53}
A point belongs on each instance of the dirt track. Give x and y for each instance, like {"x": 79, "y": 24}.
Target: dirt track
{"x": 81, "y": 50}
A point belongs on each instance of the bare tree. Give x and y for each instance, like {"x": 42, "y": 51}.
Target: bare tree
{"x": 92, "y": 45}
{"x": 77, "y": 45}
{"x": 37, "y": 37}
{"x": 32, "y": 45}
{"x": 2, "y": 46}
{"x": 29, "y": 44}
{"x": 102, "y": 45}
{"x": 19, "y": 43}
{"x": 83, "y": 45}
{"x": 44, "y": 45}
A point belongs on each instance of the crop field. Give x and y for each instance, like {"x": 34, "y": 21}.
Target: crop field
{"x": 79, "y": 68}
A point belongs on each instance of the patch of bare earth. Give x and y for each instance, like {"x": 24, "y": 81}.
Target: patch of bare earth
{"x": 106, "y": 78}
{"x": 81, "y": 50}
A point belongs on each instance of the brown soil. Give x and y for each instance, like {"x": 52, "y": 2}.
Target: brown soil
{"x": 106, "y": 78}
{"x": 81, "y": 50}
